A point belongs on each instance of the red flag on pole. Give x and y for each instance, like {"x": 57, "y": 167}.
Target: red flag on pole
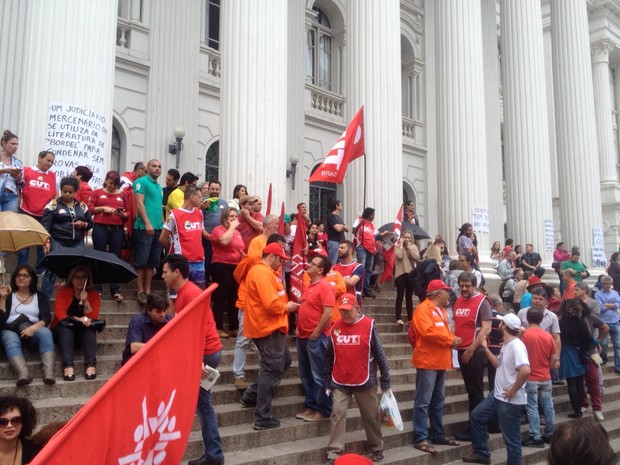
{"x": 298, "y": 259}
{"x": 388, "y": 255}
{"x": 349, "y": 147}
{"x": 269, "y": 193}
{"x": 281, "y": 221}
{"x": 144, "y": 413}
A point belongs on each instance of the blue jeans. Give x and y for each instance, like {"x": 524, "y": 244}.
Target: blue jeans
{"x": 428, "y": 404}
{"x": 310, "y": 355}
{"x": 540, "y": 391}
{"x": 614, "y": 335}
{"x": 509, "y": 419}
{"x": 8, "y": 202}
{"x": 332, "y": 251}
{"x": 206, "y": 415}
{"x": 12, "y": 343}
{"x": 366, "y": 259}
{"x": 242, "y": 344}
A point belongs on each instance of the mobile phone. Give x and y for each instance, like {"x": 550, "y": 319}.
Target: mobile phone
{"x": 121, "y": 210}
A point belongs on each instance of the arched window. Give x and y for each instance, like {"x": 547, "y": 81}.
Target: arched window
{"x": 319, "y": 55}
{"x": 212, "y": 162}
{"x": 321, "y": 194}
{"x": 115, "y": 150}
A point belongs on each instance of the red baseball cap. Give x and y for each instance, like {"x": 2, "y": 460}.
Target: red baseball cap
{"x": 436, "y": 285}
{"x": 276, "y": 249}
{"x": 347, "y": 302}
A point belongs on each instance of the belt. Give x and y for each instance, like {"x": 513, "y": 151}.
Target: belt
{"x": 110, "y": 226}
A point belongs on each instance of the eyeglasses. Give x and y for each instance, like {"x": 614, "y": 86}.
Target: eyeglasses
{"x": 22, "y": 275}
{"x": 314, "y": 264}
{"x": 15, "y": 421}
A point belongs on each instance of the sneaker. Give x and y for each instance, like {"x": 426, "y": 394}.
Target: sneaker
{"x": 558, "y": 382}
{"x": 463, "y": 436}
{"x": 531, "y": 442}
{"x": 473, "y": 458}
{"x": 241, "y": 384}
{"x": 376, "y": 455}
{"x": 599, "y": 415}
{"x": 223, "y": 334}
{"x": 547, "y": 439}
{"x": 141, "y": 297}
{"x": 584, "y": 409}
{"x": 316, "y": 416}
{"x": 574, "y": 415}
{"x": 305, "y": 414}
{"x": 269, "y": 424}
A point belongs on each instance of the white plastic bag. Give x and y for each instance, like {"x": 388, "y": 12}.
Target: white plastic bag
{"x": 388, "y": 411}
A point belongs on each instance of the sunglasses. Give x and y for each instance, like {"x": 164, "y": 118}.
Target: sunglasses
{"x": 15, "y": 421}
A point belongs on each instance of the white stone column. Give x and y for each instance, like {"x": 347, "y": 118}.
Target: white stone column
{"x": 374, "y": 80}
{"x": 603, "y": 108}
{"x": 578, "y": 165}
{"x": 461, "y": 119}
{"x": 254, "y": 95}
{"x": 526, "y": 135}
{"x": 173, "y": 84}
{"x": 68, "y": 57}
{"x": 494, "y": 120}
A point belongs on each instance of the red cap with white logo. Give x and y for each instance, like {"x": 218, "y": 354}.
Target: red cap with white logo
{"x": 347, "y": 302}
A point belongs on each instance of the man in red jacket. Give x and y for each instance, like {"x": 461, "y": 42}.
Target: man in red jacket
{"x": 175, "y": 274}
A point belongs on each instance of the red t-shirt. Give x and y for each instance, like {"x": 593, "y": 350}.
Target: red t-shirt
{"x": 247, "y": 231}
{"x": 102, "y": 198}
{"x": 185, "y": 296}
{"x": 314, "y": 298}
{"x": 39, "y": 190}
{"x": 231, "y": 253}
{"x": 540, "y": 347}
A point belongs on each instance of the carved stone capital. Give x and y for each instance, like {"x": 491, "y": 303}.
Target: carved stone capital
{"x": 601, "y": 50}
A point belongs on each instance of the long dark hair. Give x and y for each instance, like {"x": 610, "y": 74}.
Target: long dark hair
{"x": 32, "y": 288}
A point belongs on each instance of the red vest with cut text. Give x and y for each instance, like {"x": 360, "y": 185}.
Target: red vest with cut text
{"x": 189, "y": 230}
{"x": 465, "y": 317}
{"x": 352, "y": 351}
{"x": 39, "y": 190}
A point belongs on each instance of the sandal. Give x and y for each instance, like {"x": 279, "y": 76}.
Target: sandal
{"x": 446, "y": 442}
{"x": 118, "y": 297}
{"x": 425, "y": 447}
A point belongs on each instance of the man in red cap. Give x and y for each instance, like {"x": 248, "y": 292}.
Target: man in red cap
{"x": 526, "y": 299}
{"x": 432, "y": 341}
{"x": 353, "y": 352}
{"x": 266, "y": 322}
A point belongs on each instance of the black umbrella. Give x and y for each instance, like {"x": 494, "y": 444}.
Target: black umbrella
{"x": 105, "y": 267}
{"x": 417, "y": 231}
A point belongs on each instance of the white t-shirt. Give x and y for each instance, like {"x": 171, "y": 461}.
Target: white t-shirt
{"x": 512, "y": 357}
{"x": 31, "y": 309}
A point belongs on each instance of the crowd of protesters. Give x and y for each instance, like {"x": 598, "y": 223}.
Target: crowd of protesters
{"x": 527, "y": 338}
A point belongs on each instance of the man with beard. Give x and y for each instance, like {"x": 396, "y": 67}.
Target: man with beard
{"x": 352, "y": 272}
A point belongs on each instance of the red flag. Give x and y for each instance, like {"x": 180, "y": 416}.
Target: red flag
{"x": 298, "y": 260}
{"x": 144, "y": 413}
{"x": 281, "y": 221}
{"x": 268, "y": 212}
{"x": 388, "y": 255}
{"x": 349, "y": 147}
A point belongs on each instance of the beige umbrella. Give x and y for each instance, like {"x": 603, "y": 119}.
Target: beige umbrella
{"x": 19, "y": 231}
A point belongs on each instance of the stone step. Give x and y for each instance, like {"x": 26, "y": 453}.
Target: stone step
{"x": 306, "y": 442}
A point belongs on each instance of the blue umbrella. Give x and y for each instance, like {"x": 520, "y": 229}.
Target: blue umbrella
{"x": 105, "y": 267}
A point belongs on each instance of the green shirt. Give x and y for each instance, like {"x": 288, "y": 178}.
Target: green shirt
{"x": 579, "y": 267}
{"x": 153, "y": 197}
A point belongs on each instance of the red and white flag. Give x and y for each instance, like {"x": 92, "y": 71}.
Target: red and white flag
{"x": 144, "y": 413}
{"x": 349, "y": 147}
{"x": 388, "y": 255}
{"x": 298, "y": 260}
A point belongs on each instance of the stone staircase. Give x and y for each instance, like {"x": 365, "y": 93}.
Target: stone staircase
{"x": 296, "y": 441}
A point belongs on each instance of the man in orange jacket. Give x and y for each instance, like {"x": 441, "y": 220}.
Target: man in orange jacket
{"x": 266, "y": 322}
{"x": 432, "y": 341}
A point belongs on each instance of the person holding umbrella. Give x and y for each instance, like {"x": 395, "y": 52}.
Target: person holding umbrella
{"x": 66, "y": 220}
{"x": 76, "y": 306}
{"x": 24, "y": 317}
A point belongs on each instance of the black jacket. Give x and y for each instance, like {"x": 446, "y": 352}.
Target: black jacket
{"x": 58, "y": 220}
